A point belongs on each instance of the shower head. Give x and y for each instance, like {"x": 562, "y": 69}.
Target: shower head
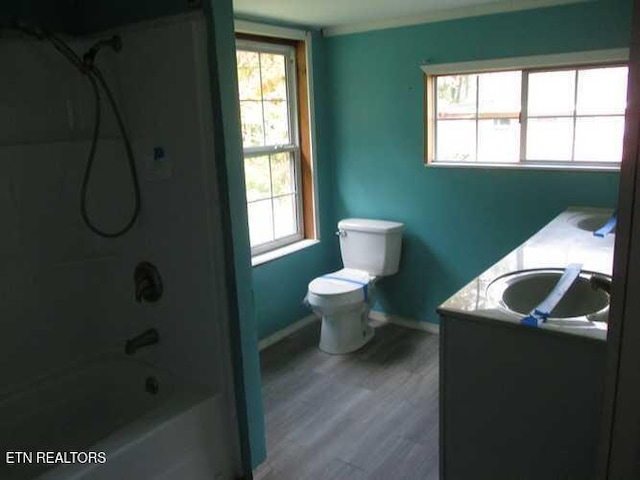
{"x": 114, "y": 42}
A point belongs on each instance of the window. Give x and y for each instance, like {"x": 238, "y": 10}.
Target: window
{"x": 565, "y": 116}
{"x": 275, "y": 158}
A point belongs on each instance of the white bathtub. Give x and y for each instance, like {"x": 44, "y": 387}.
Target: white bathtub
{"x": 106, "y": 407}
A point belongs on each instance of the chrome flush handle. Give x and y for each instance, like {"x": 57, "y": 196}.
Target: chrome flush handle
{"x": 341, "y": 233}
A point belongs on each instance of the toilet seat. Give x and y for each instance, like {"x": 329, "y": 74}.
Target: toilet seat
{"x": 344, "y": 287}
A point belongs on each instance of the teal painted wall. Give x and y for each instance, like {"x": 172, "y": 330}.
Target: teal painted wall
{"x": 280, "y": 285}
{"x": 458, "y": 221}
{"x": 226, "y": 113}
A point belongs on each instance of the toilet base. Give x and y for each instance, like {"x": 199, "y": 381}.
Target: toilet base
{"x": 346, "y": 332}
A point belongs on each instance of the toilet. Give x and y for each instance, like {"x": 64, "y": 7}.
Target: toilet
{"x": 370, "y": 249}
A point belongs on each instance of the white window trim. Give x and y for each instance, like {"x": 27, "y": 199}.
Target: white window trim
{"x": 529, "y": 62}
{"x": 544, "y": 166}
{"x": 273, "y": 31}
{"x": 265, "y": 30}
{"x": 277, "y": 253}
{"x": 540, "y": 62}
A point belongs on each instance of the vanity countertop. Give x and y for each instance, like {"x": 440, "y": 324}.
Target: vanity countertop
{"x": 560, "y": 243}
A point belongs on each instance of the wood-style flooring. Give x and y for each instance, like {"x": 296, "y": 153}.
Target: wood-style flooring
{"x": 372, "y": 414}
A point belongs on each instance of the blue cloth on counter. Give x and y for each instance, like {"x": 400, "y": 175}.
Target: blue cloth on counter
{"x": 541, "y": 313}
{"x": 608, "y": 227}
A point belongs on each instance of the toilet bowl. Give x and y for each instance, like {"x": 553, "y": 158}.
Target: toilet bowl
{"x": 369, "y": 249}
{"x": 343, "y": 300}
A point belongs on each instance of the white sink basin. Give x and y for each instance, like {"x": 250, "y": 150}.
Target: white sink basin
{"x": 521, "y": 292}
{"x": 589, "y": 222}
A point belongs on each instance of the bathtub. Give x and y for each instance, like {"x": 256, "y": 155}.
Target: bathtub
{"x": 129, "y": 420}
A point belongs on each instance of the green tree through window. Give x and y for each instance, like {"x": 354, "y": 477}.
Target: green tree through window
{"x": 267, "y": 89}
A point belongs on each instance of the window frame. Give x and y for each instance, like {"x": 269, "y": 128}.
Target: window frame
{"x": 285, "y": 48}
{"x": 527, "y": 65}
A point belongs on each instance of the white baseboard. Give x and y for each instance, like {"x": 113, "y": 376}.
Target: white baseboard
{"x": 378, "y": 316}
{"x": 285, "y": 332}
{"x": 404, "y": 322}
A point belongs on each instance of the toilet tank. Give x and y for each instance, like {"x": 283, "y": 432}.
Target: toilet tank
{"x": 370, "y": 245}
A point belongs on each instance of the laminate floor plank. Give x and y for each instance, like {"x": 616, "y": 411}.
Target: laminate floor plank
{"x": 372, "y": 414}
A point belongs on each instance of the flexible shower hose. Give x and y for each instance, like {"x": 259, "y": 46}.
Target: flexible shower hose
{"x": 96, "y": 81}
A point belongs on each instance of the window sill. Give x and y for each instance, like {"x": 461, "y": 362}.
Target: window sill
{"x": 282, "y": 251}
{"x": 527, "y": 166}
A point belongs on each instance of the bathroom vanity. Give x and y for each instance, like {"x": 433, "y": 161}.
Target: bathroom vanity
{"x": 519, "y": 401}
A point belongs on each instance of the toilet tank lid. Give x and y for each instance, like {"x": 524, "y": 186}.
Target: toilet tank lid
{"x": 369, "y": 225}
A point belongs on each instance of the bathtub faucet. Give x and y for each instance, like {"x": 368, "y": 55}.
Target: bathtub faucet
{"x": 147, "y": 282}
{"x": 148, "y": 337}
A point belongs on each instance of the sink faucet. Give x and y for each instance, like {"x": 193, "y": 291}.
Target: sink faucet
{"x": 148, "y": 337}
{"x": 600, "y": 282}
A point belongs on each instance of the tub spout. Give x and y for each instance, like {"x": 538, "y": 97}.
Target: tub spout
{"x": 148, "y": 337}
{"x": 600, "y": 282}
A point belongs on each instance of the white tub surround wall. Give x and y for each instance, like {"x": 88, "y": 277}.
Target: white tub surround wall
{"x": 163, "y": 75}
{"x": 66, "y": 295}
{"x": 53, "y": 295}
{"x": 560, "y": 243}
